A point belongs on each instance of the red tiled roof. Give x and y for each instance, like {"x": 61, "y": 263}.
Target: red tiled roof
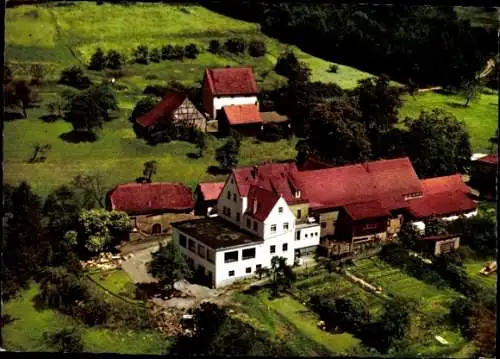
{"x": 163, "y": 110}
{"x": 242, "y": 115}
{"x": 314, "y": 163}
{"x": 263, "y": 200}
{"x": 385, "y": 180}
{"x": 443, "y": 196}
{"x": 365, "y": 210}
{"x": 231, "y": 81}
{"x": 211, "y": 190}
{"x": 491, "y": 159}
{"x": 143, "y": 198}
{"x": 275, "y": 177}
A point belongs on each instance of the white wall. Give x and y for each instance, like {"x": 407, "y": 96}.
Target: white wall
{"x": 309, "y": 236}
{"x": 220, "y": 102}
{"x": 236, "y": 207}
{"x": 222, "y": 277}
{"x": 278, "y": 219}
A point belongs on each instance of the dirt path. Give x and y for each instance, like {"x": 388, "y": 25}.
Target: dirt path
{"x": 135, "y": 266}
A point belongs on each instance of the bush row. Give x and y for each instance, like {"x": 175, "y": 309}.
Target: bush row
{"x": 238, "y": 45}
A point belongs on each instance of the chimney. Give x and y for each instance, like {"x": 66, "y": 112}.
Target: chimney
{"x": 254, "y": 205}
{"x": 254, "y": 172}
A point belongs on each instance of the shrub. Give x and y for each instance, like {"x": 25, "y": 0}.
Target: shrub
{"x": 178, "y": 52}
{"x": 98, "y": 60}
{"x": 114, "y": 60}
{"x": 236, "y": 45}
{"x": 125, "y": 315}
{"x": 214, "y": 47}
{"x": 93, "y": 311}
{"x": 36, "y": 73}
{"x": 333, "y": 68}
{"x": 66, "y": 340}
{"x": 191, "y": 51}
{"x": 141, "y": 55}
{"x": 155, "y": 55}
{"x": 151, "y": 77}
{"x": 257, "y": 48}
{"x": 271, "y": 133}
{"x": 155, "y": 90}
{"x": 289, "y": 66}
{"x": 75, "y": 77}
{"x": 167, "y": 52}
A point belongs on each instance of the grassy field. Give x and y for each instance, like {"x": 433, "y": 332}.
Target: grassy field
{"x": 473, "y": 268}
{"x": 481, "y": 117}
{"x": 286, "y": 319}
{"x": 31, "y": 320}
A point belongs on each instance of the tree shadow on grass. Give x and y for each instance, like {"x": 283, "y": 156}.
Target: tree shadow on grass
{"x": 12, "y": 116}
{"x": 78, "y": 137}
{"x": 6, "y": 319}
{"x": 193, "y": 156}
{"x": 39, "y": 304}
{"x": 215, "y": 170}
{"x": 49, "y": 118}
{"x": 456, "y": 105}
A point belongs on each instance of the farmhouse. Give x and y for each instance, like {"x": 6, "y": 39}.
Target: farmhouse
{"x": 228, "y": 87}
{"x": 175, "y": 109}
{"x": 484, "y": 172}
{"x": 244, "y": 119}
{"x": 206, "y": 195}
{"x": 152, "y": 206}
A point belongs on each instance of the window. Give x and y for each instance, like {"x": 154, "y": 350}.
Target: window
{"x": 201, "y": 251}
{"x": 255, "y": 226}
{"x": 258, "y": 267}
{"x": 237, "y": 216}
{"x": 280, "y": 209}
{"x": 285, "y": 247}
{"x": 210, "y": 256}
{"x": 272, "y": 249}
{"x": 305, "y": 235}
{"x": 182, "y": 240}
{"x": 299, "y": 213}
{"x": 323, "y": 224}
{"x": 231, "y": 273}
{"x": 192, "y": 246}
{"x": 248, "y": 270}
{"x": 370, "y": 226}
{"x": 248, "y": 253}
{"x": 234, "y": 197}
{"x": 229, "y": 212}
{"x": 297, "y": 236}
{"x": 248, "y": 222}
{"x": 285, "y": 226}
{"x": 231, "y": 257}
{"x": 156, "y": 228}
{"x": 316, "y": 234}
{"x": 273, "y": 228}
{"x": 228, "y": 194}
{"x": 224, "y": 210}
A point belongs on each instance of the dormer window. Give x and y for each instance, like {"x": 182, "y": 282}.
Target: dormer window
{"x": 280, "y": 209}
{"x": 297, "y": 193}
{"x": 228, "y": 194}
{"x": 234, "y": 197}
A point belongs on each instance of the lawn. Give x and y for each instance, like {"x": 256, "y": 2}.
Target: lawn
{"x": 32, "y": 319}
{"x": 474, "y": 267}
{"x": 287, "y": 319}
{"x": 481, "y": 117}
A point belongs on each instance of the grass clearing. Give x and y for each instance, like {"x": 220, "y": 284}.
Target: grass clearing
{"x": 474, "y": 267}
{"x": 481, "y": 117}
{"x": 32, "y": 320}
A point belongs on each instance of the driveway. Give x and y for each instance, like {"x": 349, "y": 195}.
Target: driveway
{"x": 135, "y": 266}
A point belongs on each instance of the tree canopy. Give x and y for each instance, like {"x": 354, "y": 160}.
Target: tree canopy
{"x": 168, "y": 265}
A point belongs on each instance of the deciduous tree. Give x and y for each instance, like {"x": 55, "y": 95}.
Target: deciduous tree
{"x": 227, "y": 155}
{"x": 98, "y": 60}
{"x": 149, "y": 171}
{"x": 74, "y": 77}
{"x": 90, "y": 189}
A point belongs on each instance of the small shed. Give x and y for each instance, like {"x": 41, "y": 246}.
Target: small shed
{"x": 245, "y": 119}
{"x": 206, "y": 195}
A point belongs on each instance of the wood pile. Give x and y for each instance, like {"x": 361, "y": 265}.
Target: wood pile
{"x": 167, "y": 320}
{"x": 104, "y": 261}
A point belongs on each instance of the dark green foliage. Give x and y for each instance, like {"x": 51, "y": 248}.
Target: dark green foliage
{"x": 478, "y": 232}
{"x": 289, "y": 66}
{"x": 169, "y": 52}
{"x": 141, "y": 55}
{"x": 191, "y": 51}
{"x": 227, "y": 155}
{"x": 7, "y": 74}
{"x": 39, "y": 153}
{"x": 89, "y": 190}
{"x": 168, "y": 265}
{"x": 60, "y": 289}
{"x": 24, "y": 249}
{"x": 435, "y": 227}
{"x": 155, "y": 90}
{"x": 437, "y": 144}
{"x": 125, "y": 315}
{"x": 90, "y": 108}
{"x": 68, "y": 340}
{"x": 235, "y": 45}
{"x": 178, "y": 53}
{"x": 19, "y": 94}
{"x": 257, "y": 48}
{"x": 471, "y": 90}
{"x": 36, "y": 74}
{"x": 201, "y": 143}
{"x": 114, "y": 60}
{"x": 171, "y": 132}
{"x": 282, "y": 275}
{"x": 303, "y": 151}
{"x": 93, "y": 311}
{"x": 333, "y": 68}
{"x": 98, "y": 60}
{"x": 155, "y": 55}
{"x": 143, "y": 106}
{"x": 410, "y": 236}
{"x": 149, "y": 171}
{"x": 272, "y": 133}
{"x": 215, "y": 47}
{"x": 74, "y": 77}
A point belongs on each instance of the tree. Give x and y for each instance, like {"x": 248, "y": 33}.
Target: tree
{"x": 90, "y": 108}
{"x": 150, "y": 168}
{"x": 19, "y": 94}
{"x": 168, "y": 265}
{"x": 191, "y": 51}
{"x": 393, "y": 325}
{"x": 36, "y": 73}
{"x": 303, "y": 152}
{"x": 257, "y": 48}
{"x": 58, "y": 106}
{"x": 410, "y": 236}
{"x": 437, "y": 144}
{"x": 201, "y": 143}
{"x": 167, "y": 52}
{"x": 155, "y": 55}
{"x": 289, "y": 66}
{"x": 352, "y": 315}
{"x": 336, "y": 135}
{"x": 215, "y": 47}
{"x": 141, "y": 54}
{"x": 485, "y": 328}
{"x": 39, "y": 153}
{"x": 114, "y": 60}
{"x": 227, "y": 155}
{"x": 68, "y": 340}
{"x": 98, "y": 60}
{"x": 282, "y": 275}
{"x": 143, "y": 106}
{"x": 435, "y": 227}
{"x": 7, "y": 74}
{"x": 99, "y": 228}
{"x": 379, "y": 104}
{"x": 74, "y": 77}
{"x": 90, "y": 189}
{"x": 471, "y": 90}
{"x": 236, "y": 45}
{"x": 60, "y": 289}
